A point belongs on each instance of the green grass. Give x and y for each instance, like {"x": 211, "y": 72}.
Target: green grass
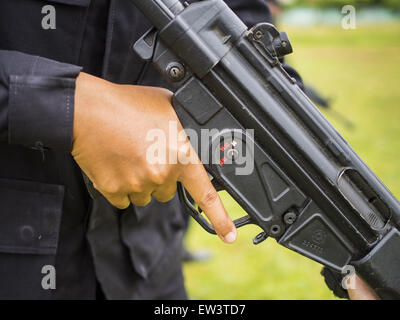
{"x": 360, "y": 70}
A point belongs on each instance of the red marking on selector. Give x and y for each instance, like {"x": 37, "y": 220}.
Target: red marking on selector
{"x": 222, "y": 161}
{"x": 226, "y": 145}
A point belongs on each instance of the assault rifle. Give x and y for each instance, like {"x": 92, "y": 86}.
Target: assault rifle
{"x": 309, "y": 189}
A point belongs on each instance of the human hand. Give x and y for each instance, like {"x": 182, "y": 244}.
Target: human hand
{"x": 362, "y": 291}
{"x": 111, "y": 123}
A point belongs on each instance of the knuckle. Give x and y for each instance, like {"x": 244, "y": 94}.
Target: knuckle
{"x": 165, "y": 193}
{"x": 135, "y": 187}
{"x": 158, "y": 176}
{"x": 165, "y": 197}
{"x": 119, "y": 204}
{"x": 141, "y": 202}
{"x": 111, "y": 188}
{"x": 209, "y": 198}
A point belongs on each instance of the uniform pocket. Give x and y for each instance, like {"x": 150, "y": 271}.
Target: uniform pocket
{"x": 30, "y": 215}
{"x": 151, "y": 236}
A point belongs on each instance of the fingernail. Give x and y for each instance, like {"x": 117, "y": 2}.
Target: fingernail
{"x": 230, "y": 237}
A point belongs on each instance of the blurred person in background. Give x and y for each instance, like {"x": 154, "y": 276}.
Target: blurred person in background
{"x": 275, "y": 8}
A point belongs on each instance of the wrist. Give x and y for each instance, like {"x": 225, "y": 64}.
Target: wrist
{"x": 88, "y": 95}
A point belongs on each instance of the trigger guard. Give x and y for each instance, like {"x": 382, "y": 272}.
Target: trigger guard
{"x": 196, "y": 214}
{"x": 193, "y": 211}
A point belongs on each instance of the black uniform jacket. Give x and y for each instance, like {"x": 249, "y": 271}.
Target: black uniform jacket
{"x": 46, "y": 215}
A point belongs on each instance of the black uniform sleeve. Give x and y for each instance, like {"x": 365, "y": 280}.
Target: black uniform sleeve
{"x": 36, "y": 101}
